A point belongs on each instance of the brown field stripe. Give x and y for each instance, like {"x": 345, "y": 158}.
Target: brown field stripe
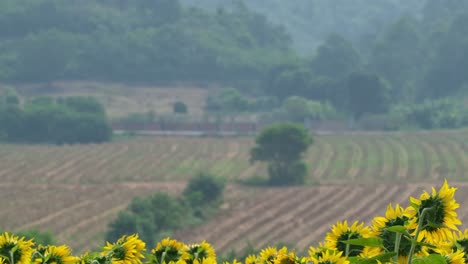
{"x": 340, "y": 212}
{"x": 393, "y": 174}
{"x": 381, "y": 164}
{"x": 457, "y": 153}
{"x": 443, "y": 170}
{"x": 211, "y": 230}
{"x": 73, "y": 156}
{"x": 82, "y": 237}
{"x": 355, "y": 159}
{"x": 379, "y": 207}
{"x": 299, "y": 219}
{"x": 329, "y": 154}
{"x": 331, "y": 159}
{"x": 429, "y": 155}
{"x": 344, "y": 172}
{"x": 259, "y": 221}
{"x": 412, "y": 148}
{"x": 461, "y": 155}
{"x": 51, "y": 216}
{"x": 95, "y": 165}
{"x": 364, "y": 168}
{"x": 314, "y": 155}
{"x": 403, "y": 153}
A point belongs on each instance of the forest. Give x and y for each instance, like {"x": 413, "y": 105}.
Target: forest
{"x": 391, "y": 64}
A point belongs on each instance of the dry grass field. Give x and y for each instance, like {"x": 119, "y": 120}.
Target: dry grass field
{"x": 75, "y": 190}
{"x": 120, "y": 99}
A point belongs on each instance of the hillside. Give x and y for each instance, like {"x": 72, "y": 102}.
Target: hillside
{"x": 310, "y": 22}
{"x": 78, "y": 189}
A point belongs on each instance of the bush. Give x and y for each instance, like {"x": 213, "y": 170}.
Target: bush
{"x": 180, "y": 108}
{"x": 203, "y": 189}
{"x": 45, "y": 120}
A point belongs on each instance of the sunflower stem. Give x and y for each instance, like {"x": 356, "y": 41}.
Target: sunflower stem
{"x": 397, "y": 246}
{"x": 347, "y": 247}
{"x": 415, "y": 238}
{"x": 12, "y": 258}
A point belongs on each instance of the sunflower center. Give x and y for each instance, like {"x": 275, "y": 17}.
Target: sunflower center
{"x": 55, "y": 259}
{"x": 172, "y": 254}
{"x": 287, "y": 260}
{"x": 119, "y": 253}
{"x": 433, "y": 219}
{"x": 353, "y": 249}
{"x": 5, "y": 251}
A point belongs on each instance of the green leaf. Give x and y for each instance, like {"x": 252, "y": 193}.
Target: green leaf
{"x": 397, "y": 229}
{"x": 431, "y": 259}
{"x": 384, "y": 257}
{"x": 420, "y": 243}
{"x": 371, "y": 242}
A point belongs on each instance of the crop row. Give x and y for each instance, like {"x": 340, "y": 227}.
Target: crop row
{"x": 333, "y": 158}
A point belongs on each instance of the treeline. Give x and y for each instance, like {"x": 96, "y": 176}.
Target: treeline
{"x": 144, "y": 41}
{"x": 310, "y": 21}
{"x": 48, "y": 120}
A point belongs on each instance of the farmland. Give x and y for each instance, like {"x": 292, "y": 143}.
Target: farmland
{"x": 78, "y": 189}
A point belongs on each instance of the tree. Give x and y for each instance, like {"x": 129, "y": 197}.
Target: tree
{"x": 282, "y": 146}
{"x": 336, "y": 58}
{"x": 367, "y": 93}
{"x": 179, "y": 107}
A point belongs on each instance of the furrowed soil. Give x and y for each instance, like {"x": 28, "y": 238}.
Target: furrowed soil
{"x": 74, "y": 191}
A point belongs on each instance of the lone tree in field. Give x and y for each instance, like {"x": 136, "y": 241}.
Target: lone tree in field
{"x": 282, "y": 146}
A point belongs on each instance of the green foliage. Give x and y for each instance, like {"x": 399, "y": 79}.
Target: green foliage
{"x": 336, "y": 58}
{"x": 39, "y": 237}
{"x": 367, "y": 94}
{"x": 135, "y": 41}
{"x": 45, "y": 120}
{"x": 432, "y": 114}
{"x": 299, "y": 109}
{"x": 180, "y": 108}
{"x": 228, "y": 100}
{"x": 159, "y": 215}
{"x": 203, "y": 189}
{"x": 150, "y": 217}
{"x": 282, "y": 146}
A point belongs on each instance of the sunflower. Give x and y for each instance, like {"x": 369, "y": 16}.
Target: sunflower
{"x": 330, "y": 257}
{"x": 452, "y": 256}
{"x": 397, "y": 216}
{"x": 440, "y": 216}
{"x": 200, "y": 252}
{"x": 233, "y": 262}
{"x": 285, "y": 257}
{"x": 93, "y": 258}
{"x": 460, "y": 241}
{"x": 251, "y": 259}
{"x": 169, "y": 250}
{"x": 205, "y": 261}
{"x": 15, "y": 250}
{"x": 341, "y": 232}
{"x": 56, "y": 255}
{"x": 127, "y": 250}
{"x": 268, "y": 255}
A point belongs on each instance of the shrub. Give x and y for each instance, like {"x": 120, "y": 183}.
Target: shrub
{"x": 203, "y": 189}
{"x": 180, "y": 108}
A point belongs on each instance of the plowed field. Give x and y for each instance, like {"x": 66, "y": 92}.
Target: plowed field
{"x": 74, "y": 191}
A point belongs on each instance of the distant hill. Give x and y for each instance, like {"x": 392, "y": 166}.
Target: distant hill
{"x": 311, "y": 21}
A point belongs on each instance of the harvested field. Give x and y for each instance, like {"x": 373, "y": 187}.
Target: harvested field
{"x": 74, "y": 191}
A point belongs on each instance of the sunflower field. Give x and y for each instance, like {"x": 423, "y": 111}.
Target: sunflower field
{"x": 424, "y": 232}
